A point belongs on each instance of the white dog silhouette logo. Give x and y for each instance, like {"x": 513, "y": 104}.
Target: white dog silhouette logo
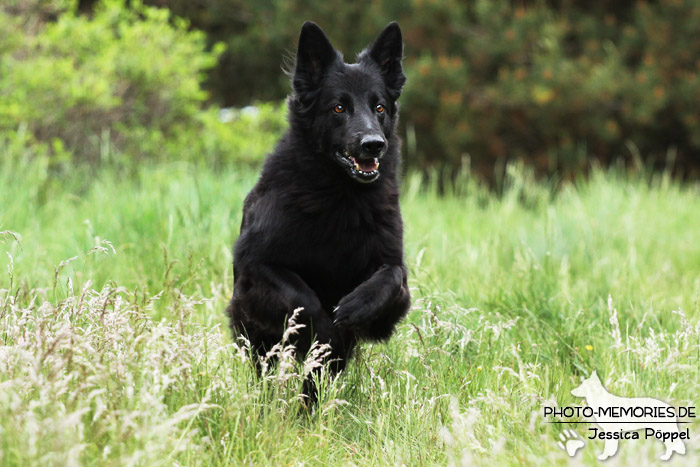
{"x": 621, "y": 417}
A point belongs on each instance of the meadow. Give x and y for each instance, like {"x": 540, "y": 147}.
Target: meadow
{"x": 114, "y": 349}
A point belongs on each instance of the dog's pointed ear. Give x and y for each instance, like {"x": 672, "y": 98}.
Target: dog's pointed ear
{"x": 387, "y": 52}
{"x": 314, "y": 55}
{"x": 594, "y": 376}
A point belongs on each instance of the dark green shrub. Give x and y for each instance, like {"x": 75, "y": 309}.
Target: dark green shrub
{"x": 556, "y": 85}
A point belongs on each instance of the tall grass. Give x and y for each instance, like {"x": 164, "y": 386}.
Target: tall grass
{"x": 114, "y": 349}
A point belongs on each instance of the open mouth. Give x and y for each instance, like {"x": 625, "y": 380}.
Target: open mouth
{"x": 362, "y": 169}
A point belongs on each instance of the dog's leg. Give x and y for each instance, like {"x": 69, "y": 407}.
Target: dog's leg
{"x": 609, "y": 450}
{"x": 264, "y": 298}
{"x": 375, "y": 306}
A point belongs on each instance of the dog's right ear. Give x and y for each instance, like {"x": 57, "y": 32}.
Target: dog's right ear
{"x": 314, "y": 55}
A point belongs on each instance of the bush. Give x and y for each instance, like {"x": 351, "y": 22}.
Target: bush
{"x": 241, "y": 137}
{"x": 555, "y": 85}
{"x": 121, "y": 82}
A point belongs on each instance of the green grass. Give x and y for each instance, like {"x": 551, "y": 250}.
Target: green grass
{"x": 114, "y": 349}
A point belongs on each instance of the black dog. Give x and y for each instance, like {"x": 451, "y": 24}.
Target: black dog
{"x": 322, "y": 228}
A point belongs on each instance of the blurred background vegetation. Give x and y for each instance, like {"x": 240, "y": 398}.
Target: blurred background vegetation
{"x": 555, "y": 83}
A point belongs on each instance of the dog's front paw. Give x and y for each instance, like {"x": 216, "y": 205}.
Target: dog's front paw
{"x": 351, "y": 312}
{"x": 343, "y": 317}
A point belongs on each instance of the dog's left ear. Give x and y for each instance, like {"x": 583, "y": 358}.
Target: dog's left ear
{"x": 387, "y": 52}
{"x": 315, "y": 55}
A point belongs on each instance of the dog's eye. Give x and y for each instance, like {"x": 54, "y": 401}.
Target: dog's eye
{"x": 339, "y": 109}
{"x": 379, "y": 108}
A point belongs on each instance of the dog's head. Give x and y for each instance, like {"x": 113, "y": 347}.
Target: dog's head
{"x": 349, "y": 110}
{"x": 588, "y": 386}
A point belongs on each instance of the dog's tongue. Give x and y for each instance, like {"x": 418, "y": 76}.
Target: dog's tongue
{"x": 367, "y": 165}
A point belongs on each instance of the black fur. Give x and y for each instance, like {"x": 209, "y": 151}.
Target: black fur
{"x": 320, "y": 230}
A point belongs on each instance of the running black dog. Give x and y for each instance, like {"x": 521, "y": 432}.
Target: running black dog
{"x": 322, "y": 227}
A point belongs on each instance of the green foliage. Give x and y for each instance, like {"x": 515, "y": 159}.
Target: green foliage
{"x": 551, "y": 83}
{"x": 121, "y": 84}
{"x": 538, "y": 83}
{"x": 238, "y": 136}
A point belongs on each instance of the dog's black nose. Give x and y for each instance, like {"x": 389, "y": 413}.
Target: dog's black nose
{"x": 372, "y": 145}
